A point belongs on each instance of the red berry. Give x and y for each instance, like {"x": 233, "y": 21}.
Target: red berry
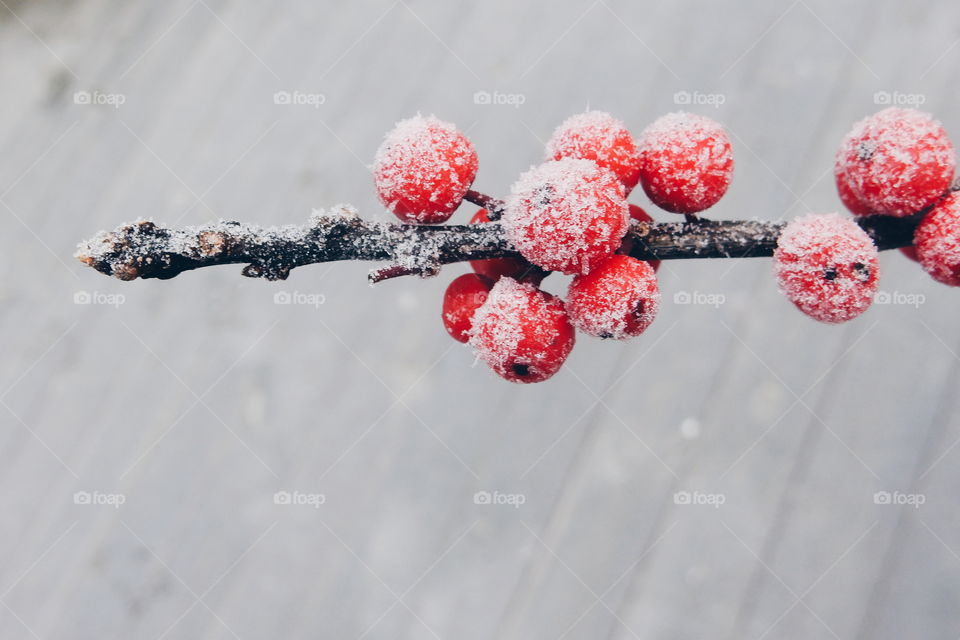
{"x": 522, "y": 333}
{"x": 828, "y": 266}
{"x": 686, "y": 162}
{"x": 896, "y": 162}
{"x": 598, "y": 136}
{"x": 619, "y": 299}
{"x": 423, "y": 169}
{"x": 641, "y": 216}
{"x": 937, "y": 241}
{"x": 463, "y": 297}
{"x": 496, "y": 268}
{"x": 566, "y": 215}
{"x": 850, "y": 200}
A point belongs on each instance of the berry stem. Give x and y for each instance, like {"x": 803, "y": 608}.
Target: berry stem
{"x": 147, "y": 250}
{"x": 494, "y": 206}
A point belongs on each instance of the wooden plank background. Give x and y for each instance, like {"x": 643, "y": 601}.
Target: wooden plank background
{"x": 197, "y": 399}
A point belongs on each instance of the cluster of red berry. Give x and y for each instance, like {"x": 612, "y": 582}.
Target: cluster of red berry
{"x": 569, "y": 214}
{"x": 898, "y": 162}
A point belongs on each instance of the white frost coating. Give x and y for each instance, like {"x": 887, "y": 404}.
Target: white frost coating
{"x": 341, "y": 209}
{"x": 597, "y": 136}
{"x": 563, "y": 214}
{"x": 828, "y": 266}
{"x": 896, "y": 162}
{"x": 424, "y": 158}
{"x": 500, "y": 317}
{"x": 678, "y": 162}
{"x": 187, "y": 241}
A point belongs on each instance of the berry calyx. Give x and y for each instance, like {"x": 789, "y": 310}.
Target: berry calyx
{"x": 827, "y": 266}
{"x": 598, "y": 136}
{"x": 937, "y": 241}
{"x": 566, "y": 215}
{"x": 686, "y": 162}
{"x": 521, "y": 332}
{"x": 895, "y": 162}
{"x": 619, "y": 299}
{"x": 463, "y": 297}
{"x": 423, "y": 168}
{"x": 496, "y": 268}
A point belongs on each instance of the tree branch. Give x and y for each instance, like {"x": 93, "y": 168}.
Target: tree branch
{"x": 147, "y": 250}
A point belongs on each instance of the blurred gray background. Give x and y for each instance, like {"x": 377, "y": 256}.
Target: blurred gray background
{"x": 722, "y": 476}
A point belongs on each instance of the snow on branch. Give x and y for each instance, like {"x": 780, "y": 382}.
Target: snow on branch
{"x": 145, "y": 249}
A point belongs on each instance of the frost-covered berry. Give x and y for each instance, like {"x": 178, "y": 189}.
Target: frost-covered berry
{"x": 895, "y": 162}
{"x": 619, "y": 299}
{"x": 522, "y": 333}
{"x": 496, "y": 268}
{"x": 566, "y": 215}
{"x": 423, "y": 168}
{"x": 937, "y": 241}
{"x": 828, "y": 266}
{"x": 686, "y": 162}
{"x": 598, "y": 136}
{"x": 850, "y": 200}
{"x": 463, "y": 297}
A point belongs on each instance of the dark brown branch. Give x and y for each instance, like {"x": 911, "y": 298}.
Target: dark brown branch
{"x": 147, "y": 250}
{"x": 744, "y": 238}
